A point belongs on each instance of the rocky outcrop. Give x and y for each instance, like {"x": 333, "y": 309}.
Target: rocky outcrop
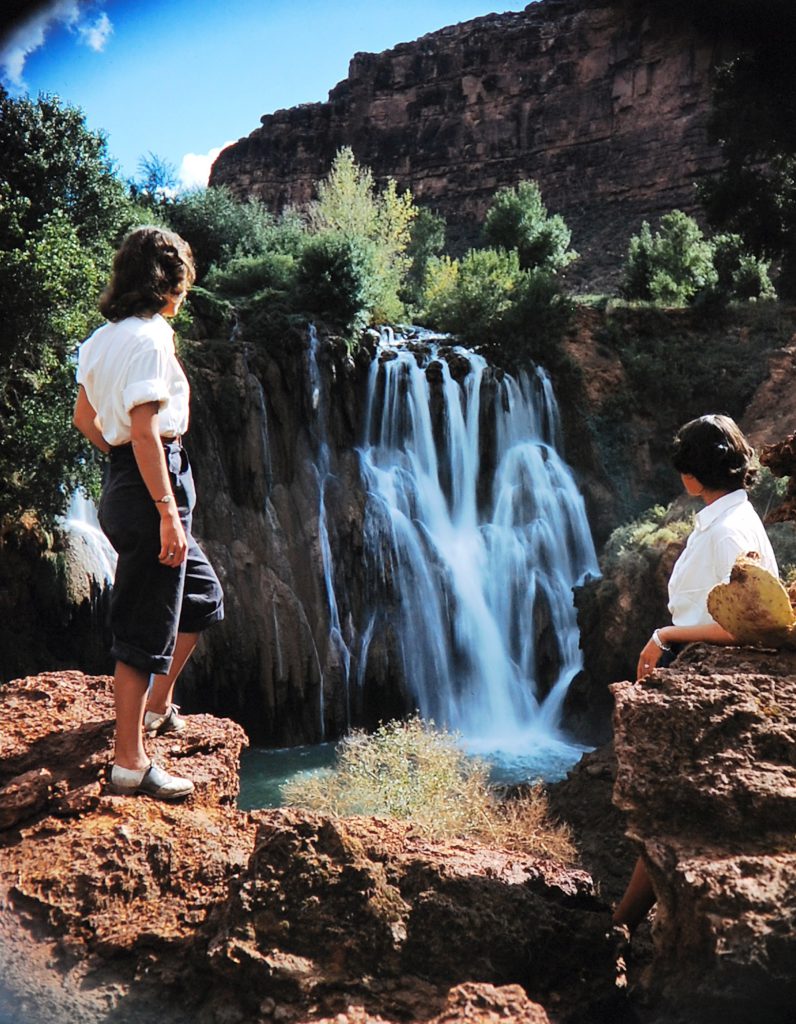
{"x": 707, "y": 778}
{"x": 604, "y": 103}
{"x": 127, "y": 909}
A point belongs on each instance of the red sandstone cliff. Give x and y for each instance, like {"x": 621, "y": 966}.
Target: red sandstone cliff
{"x": 604, "y": 102}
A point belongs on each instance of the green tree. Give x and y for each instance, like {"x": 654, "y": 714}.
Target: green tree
{"x": 672, "y": 266}
{"x": 62, "y": 210}
{"x": 518, "y": 219}
{"x": 50, "y": 162}
{"x": 512, "y": 315}
{"x": 335, "y": 280}
{"x": 754, "y": 124}
{"x": 219, "y": 227}
{"x": 157, "y": 180}
{"x": 426, "y": 240}
{"x": 349, "y": 205}
{"x": 470, "y": 297}
{"x": 739, "y": 274}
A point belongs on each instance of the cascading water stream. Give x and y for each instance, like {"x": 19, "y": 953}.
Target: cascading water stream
{"x": 83, "y": 530}
{"x": 324, "y": 475}
{"x": 459, "y": 586}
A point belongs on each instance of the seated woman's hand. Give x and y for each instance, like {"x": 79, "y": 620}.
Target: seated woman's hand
{"x": 648, "y": 659}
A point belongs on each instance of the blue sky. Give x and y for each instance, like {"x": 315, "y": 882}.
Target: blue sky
{"x": 181, "y": 78}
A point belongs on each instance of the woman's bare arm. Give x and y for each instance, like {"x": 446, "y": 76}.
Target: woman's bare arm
{"x": 85, "y": 419}
{"x": 151, "y": 460}
{"x": 709, "y": 633}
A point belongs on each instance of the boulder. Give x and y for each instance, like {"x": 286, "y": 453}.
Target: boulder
{"x": 707, "y": 778}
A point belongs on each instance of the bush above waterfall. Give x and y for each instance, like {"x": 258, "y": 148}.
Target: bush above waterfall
{"x": 487, "y": 300}
{"x": 414, "y": 772}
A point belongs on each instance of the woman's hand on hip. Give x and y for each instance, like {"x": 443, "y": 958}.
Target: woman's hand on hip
{"x": 648, "y": 659}
{"x": 173, "y": 542}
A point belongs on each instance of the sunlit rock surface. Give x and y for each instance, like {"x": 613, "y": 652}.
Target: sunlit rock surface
{"x": 707, "y": 777}
{"x": 126, "y": 909}
{"x": 605, "y": 104}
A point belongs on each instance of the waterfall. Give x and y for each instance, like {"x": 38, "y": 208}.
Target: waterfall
{"x": 96, "y": 556}
{"x": 324, "y": 477}
{"x": 461, "y": 566}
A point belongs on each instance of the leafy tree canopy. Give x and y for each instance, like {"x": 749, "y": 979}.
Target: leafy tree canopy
{"x": 518, "y": 219}
{"x": 754, "y": 123}
{"x": 52, "y": 162}
{"x": 61, "y": 212}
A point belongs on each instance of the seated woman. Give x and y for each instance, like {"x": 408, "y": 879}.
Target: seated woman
{"x": 716, "y": 464}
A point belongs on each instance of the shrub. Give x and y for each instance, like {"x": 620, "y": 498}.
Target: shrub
{"x": 426, "y": 241}
{"x": 244, "y": 275}
{"x": 411, "y": 771}
{"x": 656, "y": 528}
{"x": 470, "y": 297}
{"x": 739, "y": 275}
{"x": 334, "y": 280}
{"x": 518, "y": 219}
{"x": 672, "y": 266}
{"x": 218, "y": 226}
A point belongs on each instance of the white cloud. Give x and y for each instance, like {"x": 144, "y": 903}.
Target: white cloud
{"x": 96, "y": 35}
{"x": 32, "y": 34}
{"x": 194, "y": 170}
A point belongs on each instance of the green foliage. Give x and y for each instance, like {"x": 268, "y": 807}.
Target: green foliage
{"x": 490, "y": 303}
{"x": 518, "y": 220}
{"x": 677, "y": 362}
{"x": 739, "y": 274}
{"x": 426, "y": 241}
{"x": 414, "y": 772}
{"x": 245, "y": 275}
{"x": 471, "y": 297}
{"x": 61, "y": 211}
{"x": 783, "y": 541}
{"x": 377, "y": 223}
{"x": 218, "y": 227}
{"x": 672, "y": 266}
{"x": 52, "y": 162}
{"x": 753, "y": 122}
{"x": 157, "y": 180}
{"x": 335, "y": 280}
{"x": 656, "y": 528}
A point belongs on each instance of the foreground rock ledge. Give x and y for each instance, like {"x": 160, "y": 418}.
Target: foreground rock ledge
{"x": 127, "y": 910}
{"x": 706, "y": 756}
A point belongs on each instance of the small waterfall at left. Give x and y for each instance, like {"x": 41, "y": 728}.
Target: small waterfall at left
{"x": 90, "y": 559}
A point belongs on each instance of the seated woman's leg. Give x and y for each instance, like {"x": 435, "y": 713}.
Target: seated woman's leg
{"x": 639, "y": 898}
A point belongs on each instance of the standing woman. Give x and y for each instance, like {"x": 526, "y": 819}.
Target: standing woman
{"x": 132, "y": 403}
{"x": 716, "y": 464}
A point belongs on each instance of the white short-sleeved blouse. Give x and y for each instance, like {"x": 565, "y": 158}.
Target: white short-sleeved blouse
{"x": 726, "y": 528}
{"x": 122, "y": 365}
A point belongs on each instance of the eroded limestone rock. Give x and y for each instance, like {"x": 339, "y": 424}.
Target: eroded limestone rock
{"x": 707, "y": 777}
{"x": 128, "y": 909}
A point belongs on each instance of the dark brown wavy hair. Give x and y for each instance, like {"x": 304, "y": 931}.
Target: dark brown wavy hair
{"x": 151, "y": 265}
{"x": 713, "y": 449}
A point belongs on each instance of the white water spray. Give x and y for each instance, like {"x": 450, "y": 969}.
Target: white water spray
{"x": 458, "y": 583}
{"x": 85, "y": 537}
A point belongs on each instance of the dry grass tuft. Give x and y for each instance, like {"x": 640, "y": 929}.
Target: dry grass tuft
{"x": 414, "y": 772}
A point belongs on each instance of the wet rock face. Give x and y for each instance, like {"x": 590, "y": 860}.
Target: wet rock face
{"x": 707, "y": 778}
{"x": 605, "y": 104}
{"x": 128, "y": 909}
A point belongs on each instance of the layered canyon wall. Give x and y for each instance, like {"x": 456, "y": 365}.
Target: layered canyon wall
{"x": 604, "y": 103}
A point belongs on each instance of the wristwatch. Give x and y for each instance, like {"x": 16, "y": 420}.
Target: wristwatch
{"x": 167, "y": 499}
